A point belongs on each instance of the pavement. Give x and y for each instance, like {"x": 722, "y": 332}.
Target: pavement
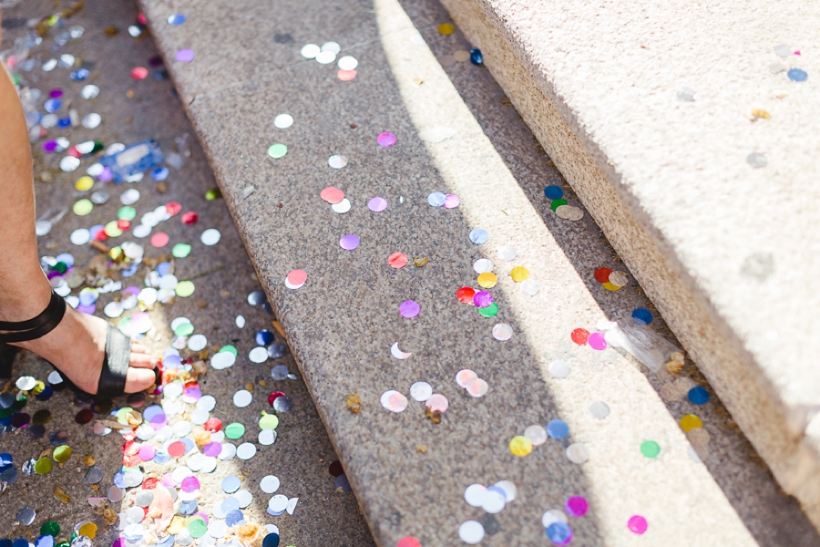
{"x": 671, "y": 122}
{"x": 457, "y": 133}
{"x": 223, "y": 275}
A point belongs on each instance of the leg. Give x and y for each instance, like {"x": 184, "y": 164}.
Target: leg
{"x": 77, "y": 345}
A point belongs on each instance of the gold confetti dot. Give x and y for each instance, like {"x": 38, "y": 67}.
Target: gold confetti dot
{"x": 759, "y": 113}
{"x": 520, "y": 446}
{"x": 519, "y": 274}
{"x": 446, "y": 29}
{"x": 690, "y": 422}
{"x": 487, "y": 280}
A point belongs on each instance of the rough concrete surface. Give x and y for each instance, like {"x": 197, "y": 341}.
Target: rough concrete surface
{"x": 669, "y": 182}
{"x": 223, "y": 276}
{"x": 408, "y": 473}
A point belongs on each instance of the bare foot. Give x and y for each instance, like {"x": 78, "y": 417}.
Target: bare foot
{"x": 77, "y": 348}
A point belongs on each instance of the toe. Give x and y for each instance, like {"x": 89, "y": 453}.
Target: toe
{"x": 138, "y": 379}
{"x": 142, "y": 360}
{"x": 136, "y": 347}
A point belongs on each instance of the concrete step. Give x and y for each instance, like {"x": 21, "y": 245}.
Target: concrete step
{"x": 456, "y": 133}
{"x": 661, "y": 117}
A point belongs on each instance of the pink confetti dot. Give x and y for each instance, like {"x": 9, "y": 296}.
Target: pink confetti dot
{"x": 577, "y": 506}
{"x": 596, "y": 341}
{"x": 409, "y": 308}
{"x": 637, "y": 524}
{"x": 346, "y": 75}
{"x": 386, "y": 139}
{"x": 160, "y": 239}
{"x": 332, "y": 195}
{"x": 139, "y": 73}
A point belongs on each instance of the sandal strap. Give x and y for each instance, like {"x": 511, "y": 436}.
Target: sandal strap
{"x": 23, "y": 331}
{"x": 115, "y": 365}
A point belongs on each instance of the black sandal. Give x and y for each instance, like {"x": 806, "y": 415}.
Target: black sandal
{"x": 117, "y": 347}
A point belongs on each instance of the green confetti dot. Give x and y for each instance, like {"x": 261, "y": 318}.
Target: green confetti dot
{"x": 650, "y": 449}
{"x": 127, "y": 213}
{"x": 43, "y": 466}
{"x": 268, "y": 421}
{"x": 489, "y": 311}
{"x": 185, "y": 289}
{"x": 234, "y": 430}
{"x": 277, "y": 150}
{"x": 50, "y": 528}
{"x": 62, "y": 453}
{"x": 184, "y": 329}
{"x": 181, "y": 250}
{"x": 61, "y": 267}
{"x": 556, "y": 203}
{"x": 197, "y": 527}
{"x": 228, "y": 348}
{"x": 213, "y": 194}
{"x": 122, "y": 414}
{"x": 83, "y": 207}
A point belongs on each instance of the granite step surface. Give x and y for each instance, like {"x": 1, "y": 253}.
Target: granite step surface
{"x": 639, "y": 450}
{"x": 690, "y": 134}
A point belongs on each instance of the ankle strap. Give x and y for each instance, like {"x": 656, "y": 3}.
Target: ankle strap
{"x": 23, "y": 331}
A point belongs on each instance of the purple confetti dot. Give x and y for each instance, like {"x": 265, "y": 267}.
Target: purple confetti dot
{"x": 409, "y": 308}
{"x": 386, "y": 139}
{"x": 56, "y": 93}
{"x": 50, "y": 146}
{"x": 482, "y": 299}
{"x": 212, "y": 450}
{"x": 349, "y": 242}
{"x": 185, "y": 55}
{"x": 377, "y": 204}
{"x": 596, "y": 341}
{"x": 577, "y": 506}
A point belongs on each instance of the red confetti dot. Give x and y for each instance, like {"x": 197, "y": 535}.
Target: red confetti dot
{"x": 173, "y": 208}
{"x": 346, "y": 75}
{"x": 73, "y": 152}
{"x": 397, "y": 260}
{"x": 332, "y": 195}
{"x": 465, "y": 295}
{"x": 141, "y": 19}
{"x": 150, "y": 483}
{"x": 408, "y": 541}
{"x": 273, "y": 396}
{"x": 160, "y": 239}
{"x": 297, "y": 277}
{"x": 123, "y": 224}
{"x": 131, "y": 461}
{"x": 176, "y": 449}
{"x": 580, "y": 336}
{"x": 213, "y": 425}
{"x": 101, "y": 235}
{"x": 84, "y": 416}
{"x": 139, "y": 73}
{"x": 602, "y": 275}
{"x": 190, "y": 218}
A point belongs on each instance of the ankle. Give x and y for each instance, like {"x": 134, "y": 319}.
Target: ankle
{"x": 23, "y": 302}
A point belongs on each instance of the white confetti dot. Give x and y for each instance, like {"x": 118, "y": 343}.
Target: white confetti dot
{"x": 242, "y": 398}
{"x": 483, "y": 265}
{"x": 246, "y": 451}
{"x": 310, "y": 51}
{"x": 507, "y": 252}
{"x": 282, "y": 121}
{"x": 577, "y": 453}
{"x": 471, "y": 532}
{"x": 210, "y": 237}
{"x": 559, "y": 369}
{"x": 502, "y": 332}
{"x": 599, "y": 410}
{"x": 80, "y": 236}
{"x": 269, "y": 484}
{"x": 258, "y": 355}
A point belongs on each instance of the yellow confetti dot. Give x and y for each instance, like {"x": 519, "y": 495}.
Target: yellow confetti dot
{"x": 690, "y": 422}
{"x": 487, "y": 280}
{"x": 520, "y": 446}
{"x": 446, "y": 29}
{"x": 89, "y": 530}
{"x": 177, "y": 524}
{"x": 610, "y": 287}
{"x": 112, "y": 229}
{"x": 84, "y": 183}
{"x": 519, "y": 274}
{"x": 83, "y": 207}
{"x": 185, "y": 289}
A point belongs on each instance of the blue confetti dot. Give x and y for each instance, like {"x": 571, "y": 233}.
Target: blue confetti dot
{"x": 45, "y": 395}
{"x": 80, "y": 74}
{"x": 476, "y": 57}
{"x": 234, "y": 517}
{"x": 557, "y": 429}
{"x": 64, "y": 122}
{"x": 797, "y": 75}
{"x": 44, "y": 541}
{"x": 698, "y": 396}
{"x": 642, "y": 316}
{"x": 559, "y": 533}
{"x": 436, "y": 199}
{"x": 161, "y": 457}
{"x": 479, "y": 236}
{"x": 277, "y": 350}
{"x": 5, "y": 542}
{"x": 229, "y": 504}
{"x": 231, "y": 484}
{"x": 163, "y": 268}
{"x": 187, "y": 507}
{"x": 553, "y": 192}
{"x": 176, "y": 20}
{"x": 159, "y": 173}
{"x": 53, "y": 105}
{"x": 264, "y": 337}
{"x": 271, "y": 540}
{"x": 6, "y": 459}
